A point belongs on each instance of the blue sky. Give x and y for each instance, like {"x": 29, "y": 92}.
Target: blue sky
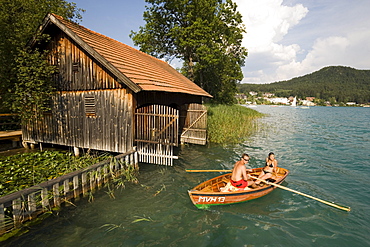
{"x": 285, "y": 39}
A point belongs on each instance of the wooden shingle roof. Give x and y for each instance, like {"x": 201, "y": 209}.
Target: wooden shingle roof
{"x": 138, "y": 70}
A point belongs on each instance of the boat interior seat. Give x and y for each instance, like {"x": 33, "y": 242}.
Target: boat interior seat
{"x": 207, "y": 189}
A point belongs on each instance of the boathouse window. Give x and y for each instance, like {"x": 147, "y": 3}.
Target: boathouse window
{"x": 90, "y": 106}
{"x": 75, "y": 67}
{"x": 47, "y": 107}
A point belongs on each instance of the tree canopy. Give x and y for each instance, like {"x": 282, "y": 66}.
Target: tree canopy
{"x": 205, "y": 34}
{"x": 19, "y": 70}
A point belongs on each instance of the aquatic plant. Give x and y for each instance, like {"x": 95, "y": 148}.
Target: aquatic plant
{"x": 111, "y": 227}
{"x": 139, "y": 219}
{"x": 118, "y": 179}
{"x": 21, "y": 171}
{"x": 160, "y": 190}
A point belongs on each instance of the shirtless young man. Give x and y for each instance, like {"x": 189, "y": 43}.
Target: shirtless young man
{"x": 239, "y": 177}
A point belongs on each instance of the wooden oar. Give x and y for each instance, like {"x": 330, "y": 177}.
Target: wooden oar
{"x": 303, "y": 194}
{"x": 208, "y": 170}
{"x": 256, "y": 173}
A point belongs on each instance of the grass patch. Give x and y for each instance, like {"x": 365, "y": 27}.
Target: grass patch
{"x": 230, "y": 124}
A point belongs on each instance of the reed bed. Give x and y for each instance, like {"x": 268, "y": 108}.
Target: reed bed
{"x": 230, "y": 123}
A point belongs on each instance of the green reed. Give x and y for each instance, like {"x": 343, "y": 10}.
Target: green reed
{"x": 230, "y": 124}
{"x": 128, "y": 173}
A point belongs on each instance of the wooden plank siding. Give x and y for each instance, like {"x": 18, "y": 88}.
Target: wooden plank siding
{"x": 80, "y": 76}
{"x": 77, "y": 70}
{"x": 68, "y": 124}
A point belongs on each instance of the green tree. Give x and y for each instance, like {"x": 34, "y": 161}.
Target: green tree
{"x": 34, "y": 84}
{"x": 19, "y": 20}
{"x": 205, "y": 34}
{"x": 332, "y": 100}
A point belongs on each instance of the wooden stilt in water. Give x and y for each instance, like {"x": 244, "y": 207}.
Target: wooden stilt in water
{"x": 76, "y": 151}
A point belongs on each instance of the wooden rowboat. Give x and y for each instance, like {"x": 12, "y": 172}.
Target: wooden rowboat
{"x": 209, "y": 194}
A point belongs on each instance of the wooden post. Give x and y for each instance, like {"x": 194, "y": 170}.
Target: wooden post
{"x": 31, "y": 205}
{"x": 105, "y": 173}
{"x": 98, "y": 176}
{"x": 44, "y": 198}
{"x": 76, "y": 151}
{"x": 17, "y": 205}
{"x": 56, "y": 194}
{"x": 92, "y": 180}
{"x": 66, "y": 189}
{"x": 111, "y": 166}
{"x": 2, "y": 219}
{"x": 75, "y": 186}
{"x": 136, "y": 160}
{"x": 83, "y": 183}
{"x": 25, "y": 145}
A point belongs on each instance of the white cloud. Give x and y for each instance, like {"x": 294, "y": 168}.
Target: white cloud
{"x": 327, "y": 50}
{"x": 288, "y": 41}
{"x": 350, "y": 50}
{"x": 267, "y": 22}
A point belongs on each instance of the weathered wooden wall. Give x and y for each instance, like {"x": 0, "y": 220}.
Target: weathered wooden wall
{"x": 90, "y": 110}
{"x": 109, "y": 128}
{"x": 77, "y": 70}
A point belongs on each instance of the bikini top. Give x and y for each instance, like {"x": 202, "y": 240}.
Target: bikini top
{"x": 270, "y": 165}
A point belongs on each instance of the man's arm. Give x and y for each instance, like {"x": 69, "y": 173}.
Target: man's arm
{"x": 244, "y": 172}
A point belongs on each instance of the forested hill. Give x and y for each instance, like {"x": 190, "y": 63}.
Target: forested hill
{"x": 342, "y": 83}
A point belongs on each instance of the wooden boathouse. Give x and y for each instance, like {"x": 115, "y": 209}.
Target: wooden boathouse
{"x": 112, "y": 97}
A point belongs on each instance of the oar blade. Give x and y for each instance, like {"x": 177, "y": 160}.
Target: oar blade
{"x": 303, "y": 194}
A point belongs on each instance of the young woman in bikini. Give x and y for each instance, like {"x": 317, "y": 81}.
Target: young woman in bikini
{"x": 270, "y": 169}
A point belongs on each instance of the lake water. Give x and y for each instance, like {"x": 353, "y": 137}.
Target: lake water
{"x": 326, "y": 149}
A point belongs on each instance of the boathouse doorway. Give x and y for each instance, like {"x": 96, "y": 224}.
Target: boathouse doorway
{"x": 159, "y": 128}
{"x": 193, "y": 124}
{"x": 156, "y": 133}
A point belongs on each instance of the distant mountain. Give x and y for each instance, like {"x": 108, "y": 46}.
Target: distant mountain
{"x": 341, "y": 83}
